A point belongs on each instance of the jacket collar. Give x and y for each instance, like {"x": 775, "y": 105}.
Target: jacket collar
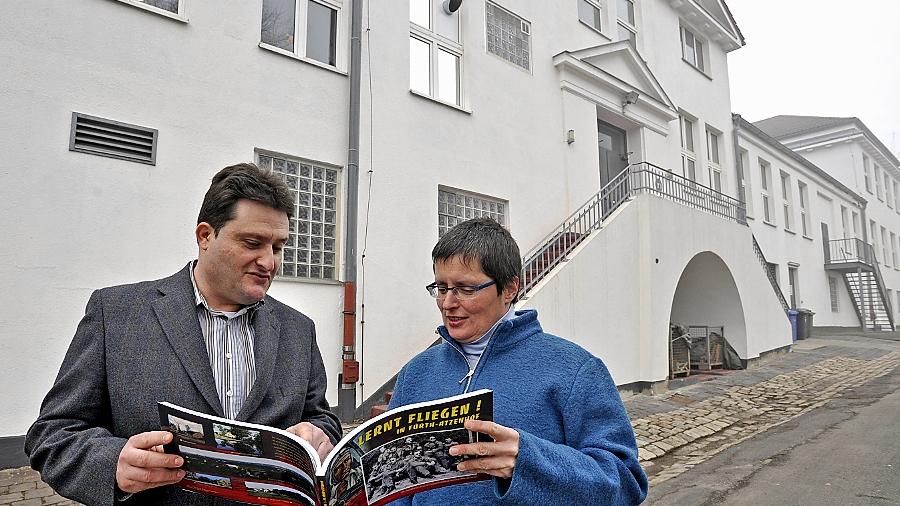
{"x": 177, "y": 315}
{"x": 508, "y": 333}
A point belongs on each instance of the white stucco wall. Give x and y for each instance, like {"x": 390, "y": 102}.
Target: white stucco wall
{"x": 76, "y": 222}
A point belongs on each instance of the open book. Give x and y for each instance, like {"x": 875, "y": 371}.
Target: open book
{"x": 397, "y": 453}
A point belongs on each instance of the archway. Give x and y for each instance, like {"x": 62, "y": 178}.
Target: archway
{"x": 707, "y": 303}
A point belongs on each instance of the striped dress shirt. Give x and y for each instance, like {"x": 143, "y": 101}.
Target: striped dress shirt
{"x": 229, "y": 343}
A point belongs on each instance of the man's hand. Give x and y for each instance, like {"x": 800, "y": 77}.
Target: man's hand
{"x": 142, "y": 463}
{"x": 497, "y": 458}
{"x": 314, "y": 436}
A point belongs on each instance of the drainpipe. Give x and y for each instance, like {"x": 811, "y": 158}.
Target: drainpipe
{"x": 349, "y": 374}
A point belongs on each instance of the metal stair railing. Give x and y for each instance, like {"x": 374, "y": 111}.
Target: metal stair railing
{"x": 772, "y": 280}
{"x": 556, "y": 246}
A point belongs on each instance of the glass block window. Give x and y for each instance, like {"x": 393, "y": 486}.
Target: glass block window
{"x": 455, "y": 206}
{"x": 508, "y": 36}
{"x": 311, "y": 249}
{"x": 833, "y": 293}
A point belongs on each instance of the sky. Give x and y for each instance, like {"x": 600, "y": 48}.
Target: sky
{"x": 819, "y": 58}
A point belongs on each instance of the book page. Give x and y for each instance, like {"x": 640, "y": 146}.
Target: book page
{"x": 241, "y": 461}
{"x": 405, "y": 451}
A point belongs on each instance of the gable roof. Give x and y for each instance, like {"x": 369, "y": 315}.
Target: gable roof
{"x": 621, "y": 61}
{"x": 784, "y": 126}
{"x": 741, "y": 123}
{"x": 719, "y": 10}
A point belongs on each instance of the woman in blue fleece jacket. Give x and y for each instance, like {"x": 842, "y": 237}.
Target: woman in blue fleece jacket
{"x": 561, "y": 434}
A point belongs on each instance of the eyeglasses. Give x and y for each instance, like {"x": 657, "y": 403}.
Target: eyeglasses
{"x": 461, "y": 292}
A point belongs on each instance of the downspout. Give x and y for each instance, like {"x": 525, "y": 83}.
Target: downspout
{"x": 349, "y": 374}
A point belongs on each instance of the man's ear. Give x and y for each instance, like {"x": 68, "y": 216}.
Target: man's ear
{"x": 204, "y": 233}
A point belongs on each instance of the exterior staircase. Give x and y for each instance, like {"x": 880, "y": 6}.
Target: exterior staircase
{"x": 857, "y": 263}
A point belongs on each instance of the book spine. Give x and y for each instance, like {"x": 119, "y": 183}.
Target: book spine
{"x": 323, "y": 495}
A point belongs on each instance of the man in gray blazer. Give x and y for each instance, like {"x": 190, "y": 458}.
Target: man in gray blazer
{"x": 207, "y": 338}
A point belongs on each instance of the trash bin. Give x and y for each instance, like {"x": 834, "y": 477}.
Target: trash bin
{"x": 792, "y": 316}
{"x": 804, "y": 322}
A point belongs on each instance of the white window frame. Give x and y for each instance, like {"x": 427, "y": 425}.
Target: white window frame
{"x": 301, "y": 11}
{"x": 894, "y": 256}
{"x": 803, "y": 191}
{"x": 855, "y": 219}
{"x": 885, "y": 258}
{"x": 879, "y": 190}
{"x": 304, "y": 232}
{"x": 765, "y": 178}
{"x": 141, "y": 4}
{"x": 786, "y": 200}
{"x": 468, "y": 205}
{"x": 896, "y": 195}
{"x": 624, "y": 24}
{"x": 697, "y": 57}
{"x": 524, "y": 27}
{"x": 833, "y": 293}
{"x": 596, "y": 10}
{"x": 745, "y": 192}
{"x": 873, "y": 232}
{"x": 714, "y": 159}
{"x": 888, "y": 189}
{"x": 688, "y": 149}
{"x": 438, "y": 44}
{"x": 867, "y": 176}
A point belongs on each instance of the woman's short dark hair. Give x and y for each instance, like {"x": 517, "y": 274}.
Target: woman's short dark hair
{"x": 243, "y": 181}
{"x": 485, "y": 241}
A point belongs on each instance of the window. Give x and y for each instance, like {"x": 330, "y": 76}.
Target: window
{"x": 590, "y": 13}
{"x": 688, "y": 156}
{"x": 888, "y": 190}
{"x": 307, "y": 29}
{"x": 896, "y": 196}
{"x": 873, "y": 237}
{"x": 168, "y": 6}
{"x": 885, "y": 259}
{"x": 786, "y": 200}
{"x": 894, "y": 251}
{"x": 898, "y": 301}
{"x": 455, "y": 206}
{"x": 113, "y": 139}
{"x": 508, "y": 35}
{"x": 804, "y": 209}
{"x": 744, "y": 189}
{"x": 626, "y": 22}
{"x": 879, "y": 191}
{"x": 833, "y": 292}
{"x": 435, "y": 52}
{"x": 866, "y": 175}
{"x": 765, "y": 176}
{"x": 311, "y": 249}
{"x": 712, "y": 157}
{"x": 855, "y": 225}
{"x": 692, "y": 50}
{"x": 845, "y": 225}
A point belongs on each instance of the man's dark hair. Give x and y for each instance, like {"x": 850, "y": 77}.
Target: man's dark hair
{"x": 243, "y": 181}
{"x": 485, "y": 241}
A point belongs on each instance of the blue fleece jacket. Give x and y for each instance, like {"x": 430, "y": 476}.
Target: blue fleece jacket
{"x": 576, "y": 445}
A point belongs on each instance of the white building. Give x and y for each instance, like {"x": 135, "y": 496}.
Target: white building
{"x": 509, "y": 109}
{"x": 849, "y": 152}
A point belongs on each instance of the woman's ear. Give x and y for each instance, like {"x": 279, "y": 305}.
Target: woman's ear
{"x": 511, "y": 290}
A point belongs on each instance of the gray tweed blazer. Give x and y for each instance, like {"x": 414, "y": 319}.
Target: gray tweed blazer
{"x": 141, "y": 343}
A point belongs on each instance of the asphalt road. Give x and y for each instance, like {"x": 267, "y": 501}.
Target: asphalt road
{"x": 844, "y": 453}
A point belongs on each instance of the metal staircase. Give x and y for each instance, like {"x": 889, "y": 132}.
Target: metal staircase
{"x": 642, "y": 177}
{"x": 856, "y": 261}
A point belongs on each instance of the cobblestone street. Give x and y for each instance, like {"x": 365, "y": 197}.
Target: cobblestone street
{"x": 698, "y": 418}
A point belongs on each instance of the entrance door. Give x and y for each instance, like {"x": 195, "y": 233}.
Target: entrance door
{"x": 613, "y": 151}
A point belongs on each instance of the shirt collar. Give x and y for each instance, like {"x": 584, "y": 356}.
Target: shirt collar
{"x": 200, "y": 300}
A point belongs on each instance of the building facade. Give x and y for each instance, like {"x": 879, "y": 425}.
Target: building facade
{"x": 599, "y": 132}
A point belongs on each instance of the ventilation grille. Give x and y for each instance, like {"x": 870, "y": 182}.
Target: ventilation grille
{"x": 103, "y": 137}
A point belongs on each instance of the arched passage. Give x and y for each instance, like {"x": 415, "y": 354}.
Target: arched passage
{"x": 707, "y": 295}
